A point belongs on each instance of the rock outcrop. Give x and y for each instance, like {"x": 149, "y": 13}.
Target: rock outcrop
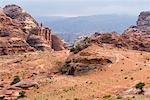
{"x": 135, "y": 37}
{"x": 129, "y": 40}
{"x": 19, "y": 32}
{"x": 143, "y": 22}
{"x": 57, "y": 44}
{"x": 85, "y": 62}
{"x": 17, "y": 13}
{"x": 12, "y": 38}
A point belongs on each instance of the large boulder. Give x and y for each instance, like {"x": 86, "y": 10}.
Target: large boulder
{"x": 85, "y": 62}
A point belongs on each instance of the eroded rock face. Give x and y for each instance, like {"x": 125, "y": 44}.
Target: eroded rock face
{"x": 12, "y": 38}
{"x": 38, "y": 43}
{"x": 57, "y": 43}
{"x": 14, "y": 45}
{"x": 129, "y": 40}
{"x": 17, "y": 13}
{"x": 143, "y": 22}
{"x": 84, "y": 62}
{"x": 19, "y": 32}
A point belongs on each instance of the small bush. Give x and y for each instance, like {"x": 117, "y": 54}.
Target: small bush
{"x": 87, "y": 40}
{"x": 140, "y": 85}
{"x": 76, "y": 48}
{"x": 22, "y": 94}
{"x": 119, "y": 97}
{"x": 107, "y": 97}
{"x": 72, "y": 49}
{"x": 16, "y": 80}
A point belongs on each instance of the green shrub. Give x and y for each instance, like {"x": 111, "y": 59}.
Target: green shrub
{"x": 16, "y": 80}
{"x": 140, "y": 85}
{"x": 76, "y": 48}
{"x": 87, "y": 40}
{"x": 119, "y": 97}
{"x": 22, "y": 94}
{"x": 107, "y": 97}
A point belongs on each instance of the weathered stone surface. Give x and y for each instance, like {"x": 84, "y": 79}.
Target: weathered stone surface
{"x": 129, "y": 40}
{"x": 143, "y": 22}
{"x": 12, "y": 38}
{"x": 38, "y": 43}
{"x": 24, "y": 84}
{"x": 17, "y": 13}
{"x": 83, "y": 64}
{"x": 9, "y": 94}
{"x": 12, "y": 46}
{"x": 57, "y": 43}
{"x": 132, "y": 91}
{"x": 19, "y": 32}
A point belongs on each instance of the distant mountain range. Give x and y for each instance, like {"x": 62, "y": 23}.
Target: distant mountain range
{"x": 69, "y": 28}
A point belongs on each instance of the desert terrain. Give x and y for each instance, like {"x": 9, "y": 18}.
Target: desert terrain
{"x": 35, "y": 64}
{"x": 128, "y": 68}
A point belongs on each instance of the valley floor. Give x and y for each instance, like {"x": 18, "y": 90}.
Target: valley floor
{"x": 129, "y": 68}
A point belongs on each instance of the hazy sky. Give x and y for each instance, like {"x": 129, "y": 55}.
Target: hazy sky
{"x": 80, "y": 7}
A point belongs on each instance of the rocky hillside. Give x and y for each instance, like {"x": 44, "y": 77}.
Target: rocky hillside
{"x": 105, "y": 66}
{"x": 135, "y": 37}
{"x": 19, "y": 32}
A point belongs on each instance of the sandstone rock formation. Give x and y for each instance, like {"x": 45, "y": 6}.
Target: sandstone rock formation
{"x": 57, "y": 44}
{"x": 17, "y": 13}
{"x": 143, "y": 22}
{"x": 12, "y": 38}
{"x": 19, "y": 32}
{"x": 135, "y": 37}
{"x": 85, "y": 62}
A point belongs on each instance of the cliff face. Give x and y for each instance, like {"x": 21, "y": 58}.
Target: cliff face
{"x": 57, "y": 44}
{"x": 17, "y": 13}
{"x": 12, "y": 38}
{"x": 143, "y": 22}
{"x": 19, "y": 32}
